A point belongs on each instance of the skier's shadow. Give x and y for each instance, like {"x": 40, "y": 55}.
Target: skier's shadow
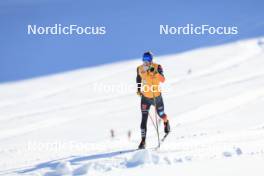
{"x": 99, "y": 156}
{"x": 74, "y": 160}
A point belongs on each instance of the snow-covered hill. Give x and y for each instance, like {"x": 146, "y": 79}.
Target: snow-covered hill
{"x": 214, "y": 97}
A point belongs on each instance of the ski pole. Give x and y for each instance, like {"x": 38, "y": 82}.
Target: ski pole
{"x": 155, "y": 105}
{"x": 153, "y": 123}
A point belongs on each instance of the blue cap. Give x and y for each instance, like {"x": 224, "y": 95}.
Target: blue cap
{"x": 147, "y": 57}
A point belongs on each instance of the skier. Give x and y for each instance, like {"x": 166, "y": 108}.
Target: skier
{"x": 149, "y": 75}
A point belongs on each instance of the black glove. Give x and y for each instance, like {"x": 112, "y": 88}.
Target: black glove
{"x": 151, "y": 69}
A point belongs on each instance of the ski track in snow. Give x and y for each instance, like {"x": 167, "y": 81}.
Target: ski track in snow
{"x": 182, "y": 146}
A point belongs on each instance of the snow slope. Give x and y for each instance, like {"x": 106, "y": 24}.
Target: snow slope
{"x": 214, "y": 97}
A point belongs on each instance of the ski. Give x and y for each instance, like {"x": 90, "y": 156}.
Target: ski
{"x": 164, "y": 137}
{"x": 126, "y": 151}
{"x": 161, "y": 141}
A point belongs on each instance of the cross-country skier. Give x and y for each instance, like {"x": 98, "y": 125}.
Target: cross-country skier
{"x": 149, "y": 76}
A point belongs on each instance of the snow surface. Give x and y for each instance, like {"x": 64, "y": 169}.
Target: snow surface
{"x": 214, "y": 97}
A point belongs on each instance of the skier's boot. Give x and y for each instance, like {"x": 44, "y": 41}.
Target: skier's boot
{"x": 167, "y": 127}
{"x": 142, "y": 144}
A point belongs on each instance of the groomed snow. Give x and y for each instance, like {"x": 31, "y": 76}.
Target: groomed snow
{"x": 214, "y": 97}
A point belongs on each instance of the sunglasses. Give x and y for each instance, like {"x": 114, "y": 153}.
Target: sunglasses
{"x": 147, "y": 58}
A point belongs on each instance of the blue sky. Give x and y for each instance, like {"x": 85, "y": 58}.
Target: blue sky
{"x": 132, "y": 27}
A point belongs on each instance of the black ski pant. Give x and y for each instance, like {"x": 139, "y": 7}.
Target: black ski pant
{"x": 145, "y": 106}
